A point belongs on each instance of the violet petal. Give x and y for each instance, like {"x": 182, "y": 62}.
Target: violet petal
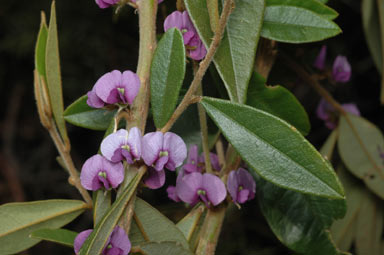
{"x": 93, "y": 100}
{"x": 131, "y": 84}
{"x": 155, "y": 179}
{"x": 320, "y": 59}
{"x": 341, "y": 70}
{"x": 171, "y": 190}
{"x": 134, "y": 142}
{"x": 106, "y": 87}
{"x": 233, "y": 185}
{"x": 177, "y": 150}
{"x": 174, "y": 20}
{"x": 80, "y": 239}
{"x": 187, "y": 187}
{"x": 214, "y": 188}
{"x": 152, "y": 144}
{"x": 112, "y": 143}
{"x": 119, "y": 239}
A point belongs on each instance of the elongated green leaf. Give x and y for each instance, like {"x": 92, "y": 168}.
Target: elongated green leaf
{"x": 371, "y": 25}
{"x": 19, "y": 220}
{"x": 79, "y": 113}
{"x": 329, "y": 145}
{"x": 41, "y": 46}
{"x": 96, "y": 241}
{"x": 161, "y": 248}
{"x": 189, "y": 223}
{"x": 167, "y": 75}
{"x": 296, "y": 25}
{"x": 323, "y": 1}
{"x": 157, "y": 227}
{"x": 61, "y": 236}
{"x": 52, "y": 65}
{"x": 311, "y": 5}
{"x": 278, "y": 101}
{"x": 274, "y": 149}
{"x": 235, "y": 56}
{"x": 101, "y": 204}
{"x": 360, "y": 144}
{"x": 300, "y": 221}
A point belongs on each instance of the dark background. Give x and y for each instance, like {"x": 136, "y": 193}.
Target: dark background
{"x": 94, "y": 41}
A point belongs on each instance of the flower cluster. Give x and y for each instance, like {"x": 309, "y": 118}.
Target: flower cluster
{"x": 341, "y": 70}
{"x": 108, "y": 3}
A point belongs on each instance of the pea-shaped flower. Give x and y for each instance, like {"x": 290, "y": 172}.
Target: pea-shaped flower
{"x": 106, "y": 3}
{"x": 122, "y": 145}
{"x": 341, "y": 70}
{"x": 204, "y": 187}
{"x": 163, "y": 150}
{"x": 241, "y": 186}
{"x": 196, "y": 163}
{"x": 195, "y": 47}
{"x": 114, "y": 88}
{"x": 320, "y": 59}
{"x": 118, "y": 243}
{"x": 154, "y": 179}
{"x": 98, "y": 172}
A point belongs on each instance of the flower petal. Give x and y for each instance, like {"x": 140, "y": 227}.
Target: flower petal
{"x": 134, "y": 142}
{"x": 131, "y": 84}
{"x": 175, "y": 19}
{"x": 233, "y": 185}
{"x": 187, "y": 187}
{"x": 115, "y": 172}
{"x": 152, "y": 144}
{"x": 243, "y": 196}
{"x": 214, "y": 188}
{"x": 159, "y": 165}
{"x": 193, "y": 154}
{"x": 351, "y": 108}
{"x": 119, "y": 239}
{"x": 320, "y": 59}
{"x": 155, "y": 179}
{"x": 246, "y": 180}
{"x": 341, "y": 70}
{"x": 93, "y": 100}
{"x": 112, "y": 143}
{"x": 80, "y": 239}
{"x": 171, "y": 190}
{"x": 89, "y": 172}
{"x": 106, "y": 87}
{"x": 177, "y": 150}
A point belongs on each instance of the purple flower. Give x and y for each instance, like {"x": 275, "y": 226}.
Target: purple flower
{"x": 99, "y": 172}
{"x": 196, "y": 163}
{"x": 114, "y": 88}
{"x": 341, "y": 70}
{"x": 118, "y": 243}
{"x": 320, "y": 59}
{"x": 214, "y": 161}
{"x": 195, "y": 48}
{"x": 241, "y": 186}
{"x": 154, "y": 179}
{"x": 205, "y": 187}
{"x": 171, "y": 190}
{"x": 106, "y": 3}
{"x": 122, "y": 145}
{"x": 326, "y": 112}
{"x": 159, "y": 150}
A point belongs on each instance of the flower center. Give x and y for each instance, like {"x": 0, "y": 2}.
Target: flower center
{"x": 201, "y": 192}
{"x": 241, "y": 188}
{"x": 126, "y": 147}
{"x": 183, "y": 31}
{"x": 163, "y": 153}
{"x": 103, "y": 174}
{"x": 121, "y": 90}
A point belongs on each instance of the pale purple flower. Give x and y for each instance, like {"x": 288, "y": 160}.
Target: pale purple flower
{"x": 114, "y": 88}
{"x": 195, "y": 47}
{"x": 99, "y": 172}
{"x": 106, "y": 3}
{"x": 196, "y": 163}
{"x": 122, "y": 145}
{"x": 118, "y": 243}
{"x": 163, "y": 150}
{"x": 320, "y": 59}
{"x": 154, "y": 179}
{"x": 241, "y": 186}
{"x": 341, "y": 70}
{"x": 205, "y": 187}
{"x": 171, "y": 190}
{"x": 326, "y": 112}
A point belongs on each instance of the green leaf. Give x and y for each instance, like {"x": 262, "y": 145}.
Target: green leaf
{"x": 360, "y": 144}
{"x": 235, "y": 56}
{"x": 19, "y": 220}
{"x": 96, "y": 241}
{"x": 101, "y": 204}
{"x": 311, "y": 5}
{"x": 156, "y": 226}
{"x": 277, "y": 101}
{"x": 52, "y": 65}
{"x": 329, "y": 145}
{"x": 323, "y": 1}
{"x": 300, "y": 221}
{"x": 190, "y": 222}
{"x": 167, "y": 75}
{"x": 274, "y": 149}
{"x": 371, "y": 25}
{"x": 61, "y": 236}
{"x": 41, "y": 46}
{"x": 162, "y": 248}
{"x": 296, "y": 25}
{"x": 79, "y": 113}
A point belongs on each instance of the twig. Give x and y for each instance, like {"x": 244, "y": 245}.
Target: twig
{"x": 265, "y": 56}
{"x": 203, "y": 66}
{"x": 141, "y": 228}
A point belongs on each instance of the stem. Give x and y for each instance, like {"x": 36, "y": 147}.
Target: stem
{"x": 380, "y": 6}
{"x": 265, "y": 57}
{"x": 213, "y": 11}
{"x": 203, "y": 66}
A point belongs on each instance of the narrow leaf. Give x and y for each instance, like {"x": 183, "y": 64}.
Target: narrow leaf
{"x": 154, "y": 224}
{"x": 296, "y": 25}
{"x": 277, "y": 101}
{"x": 274, "y": 149}
{"x": 19, "y": 220}
{"x": 61, "y": 236}
{"x": 101, "y": 204}
{"x": 189, "y": 223}
{"x": 52, "y": 65}
{"x": 329, "y": 145}
{"x": 167, "y": 75}
{"x": 41, "y": 46}
{"x": 160, "y": 248}
{"x": 381, "y": 16}
{"x": 360, "y": 146}
{"x": 311, "y": 5}
{"x": 79, "y": 113}
{"x": 235, "y": 56}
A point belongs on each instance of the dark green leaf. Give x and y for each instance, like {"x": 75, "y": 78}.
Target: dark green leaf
{"x": 296, "y": 25}
{"x": 19, "y": 220}
{"x": 41, "y": 46}
{"x": 235, "y": 56}
{"x": 95, "y": 243}
{"x": 61, "y": 236}
{"x": 300, "y": 221}
{"x": 157, "y": 227}
{"x": 167, "y": 75}
{"x": 101, "y": 204}
{"x": 52, "y": 65}
{"x": 190, "y": 222}
{"x": 277, "y": 101}
{"x": 162, "y": 248}
{"x": 274, "y": 149}
{"x": 311, "y": 5}
{"x": 79, "y": 113}
{"x": 360, "y": 144}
